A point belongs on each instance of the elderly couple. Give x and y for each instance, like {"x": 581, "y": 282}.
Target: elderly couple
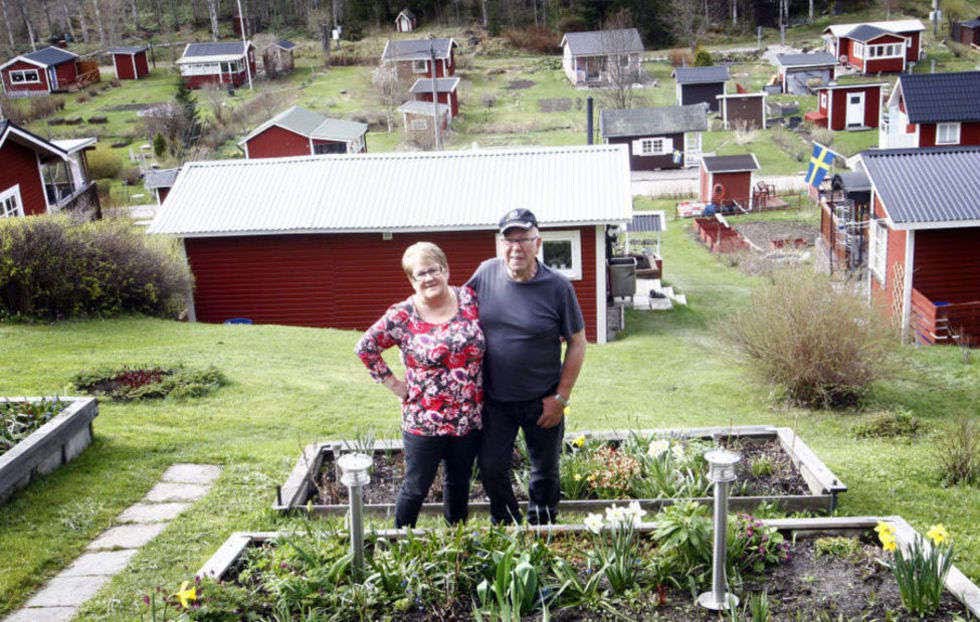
{"x": 481, "y": 361}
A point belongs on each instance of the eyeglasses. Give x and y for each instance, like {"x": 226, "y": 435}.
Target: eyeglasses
{"x": 421, "y": 276}
{"x": 517, "y": 241}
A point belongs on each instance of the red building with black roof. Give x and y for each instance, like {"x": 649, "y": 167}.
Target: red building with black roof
{"x": 932, "y": 109}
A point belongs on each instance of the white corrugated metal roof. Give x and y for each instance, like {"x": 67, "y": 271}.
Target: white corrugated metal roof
{"x": 448, "y": 190}
{"x": 895, "y": 25}
{"x": 423, "y": 108}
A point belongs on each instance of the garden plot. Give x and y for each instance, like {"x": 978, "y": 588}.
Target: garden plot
{"x": 39, "y": 435}
{"x": 615, "y": 568}
{"x": 598, "y": 469}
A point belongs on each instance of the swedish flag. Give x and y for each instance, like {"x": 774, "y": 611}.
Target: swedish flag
{"x": 820, "y": 163}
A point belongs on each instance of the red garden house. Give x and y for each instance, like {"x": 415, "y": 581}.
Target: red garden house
{"x": 130, "y": 62}
{"x": 217, "y": 63}
{"x": 932, "y": 109}
{"x": 48, "y": 70}
{"x": 875, "y": 47}
{"x": 298, "y": 131}
{"x": 847, "y": 106}
{"x": 446, "y": 90}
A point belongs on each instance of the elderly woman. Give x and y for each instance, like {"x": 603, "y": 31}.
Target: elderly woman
{"x": 442, "y": 345}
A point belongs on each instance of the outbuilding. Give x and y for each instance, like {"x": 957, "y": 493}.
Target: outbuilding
{"x": 924, "y": 248}
{"x": 419, "y": 58}
{"x": 317, "y": 241}
{"x": 222, "y": 63}
{"x": 844, "y": 214}
{"x": 932, "y": 109}
{"x": 967, "y": 32}
{"x": 743, "y": 110}
{"x": 129, "y": 62}
{"x": 873, "y": 47}
{"x": 48, "y": 70}
{"x": 798, "y": 73}
{"x": 297, "y": 131}
{"x": 847, "y": 106}
{"x": 726, "y": 181}
{"x": 602, "y": 56}
{"x": 697, "y": 85}
{"x": 447, "y": 91}
{"x": 160, "y": 181}
{"x": 657, "y": 138}
{"x": 405, "y": 21}
{"x": 277, "y": 58}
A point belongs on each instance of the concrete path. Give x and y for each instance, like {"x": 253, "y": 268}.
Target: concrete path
{"x": 108, "y": 554}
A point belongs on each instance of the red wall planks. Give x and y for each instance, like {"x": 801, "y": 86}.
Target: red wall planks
{"x": 947, "y": 264}
{"x": 11, "y": 87}
{"x": 20, "y": 167}
{"x": 124, "y": 66}
{"x": 277, "y": 142}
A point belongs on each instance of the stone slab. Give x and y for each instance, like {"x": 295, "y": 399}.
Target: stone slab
{"x": 168, "y": 491}
{"x": 43, "y": 614}
{"x": 101, "y": 563}
{"x": 192, "y": 473}
{"x": 151, "y": 512}
{"x": 126, "y": 536}
{"x": 67, "y": 591}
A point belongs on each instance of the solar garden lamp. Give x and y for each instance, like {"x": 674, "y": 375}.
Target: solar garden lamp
{"x": 721, "y": 471}
{"x": 354, "y": 474}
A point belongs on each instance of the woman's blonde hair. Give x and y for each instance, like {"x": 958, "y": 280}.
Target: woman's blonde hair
{"x": 423, "y": 251}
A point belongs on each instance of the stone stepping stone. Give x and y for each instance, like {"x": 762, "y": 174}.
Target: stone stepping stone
{"x": 151, "y": 512}
{"x": 101, "y": 563}
{"x": 68, "y": 591}
{"x": 126, "y": 536}
{"x": 168, "y": 491}
{"x": 192, "y": 473}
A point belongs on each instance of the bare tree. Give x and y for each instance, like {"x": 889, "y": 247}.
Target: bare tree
{"x": 888, "y": 5}
{"x": 390, "y": 91}
{"x": 82, "y": 24}
{"x": 213, "y": 14}
{"x": 98, "y": 21}
{"x": 6, "y": 20}
{"x": 622, "y": 59}
{"x": 735, "y": 12}
{"x": 26, "y": 16}
{"x": 687, "y": 21}
{"x": 68, "y": 24}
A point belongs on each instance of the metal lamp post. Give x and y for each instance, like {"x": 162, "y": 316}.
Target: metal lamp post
{"x": 354, "y": 474}
{"x": 721, "y": 471}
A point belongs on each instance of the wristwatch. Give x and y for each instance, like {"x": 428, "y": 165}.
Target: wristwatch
{"x": 561, "y": 399}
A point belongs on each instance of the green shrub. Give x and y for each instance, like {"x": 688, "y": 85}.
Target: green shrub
{"x": 159, "y": 145}
{"x": 820, "y": 342}
{"x": 958, "y": 452}
{"x": 19, "y": 419}
{"x": 836, "y": 546}
{"x": 702, "y": 58}
{"x": 149, "y": 382}
{"x": 103, "y": 164}
{"x": 889, "y": 425}
{"x": 51, "y": 268}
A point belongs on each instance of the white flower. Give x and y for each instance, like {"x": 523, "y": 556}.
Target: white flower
{"x": 678, "y": 451}
{"x": 635, "y": 513}
{"x": 616, "y": 516}
{"x": 658, "y": 448}
{"x": 593, "y": 522}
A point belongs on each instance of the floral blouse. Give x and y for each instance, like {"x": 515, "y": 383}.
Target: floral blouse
{"x": 442, "y": 365}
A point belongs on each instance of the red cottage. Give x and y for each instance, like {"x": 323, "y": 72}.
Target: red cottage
{"x": 924, "y": 247}
{"x": 932, "y": 109}
{"x": 45, "y": 71}
{"x": 130, "y": 62}
{"x": 967, "y": 32}
{"x": 317, "y": 241}
{"x": 39, "y": 176}
{"x": 446, "y": 90}
{"x": 220, "y": 63}
{"x": 298, "y": 131}
{"x": 160, "y": 181}
{"x": 874, "y": 47}
{"x": 406, "y": 21}
{"x": 412, "y": 58}
{"x": 726, "y": 181}
{"x": 847, "y": 106}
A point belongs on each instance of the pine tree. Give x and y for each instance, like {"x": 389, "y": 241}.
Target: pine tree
{"x": 187, "y": 105}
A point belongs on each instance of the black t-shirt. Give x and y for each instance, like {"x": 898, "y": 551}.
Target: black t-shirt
{"x": 523, "y": 323}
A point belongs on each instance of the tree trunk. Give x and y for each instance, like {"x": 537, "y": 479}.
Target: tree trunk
{"x": 6, "y": 20}
{"x": 158, "y": 13}
{"x": 483, "y": 13}
{"x": 27, "y": 22}
{"x": 810, "y": 11}
{"x": 98, "y": 21}
{"x": 734, "y": 12}
{"x": 82, "y": 24}
{"x": 213, "y": 14}
{"x": 68, "y": 24}
{"x": 47, "y": 16}
{"x": 136, "y": 13}
{"x": 195, "y": 11}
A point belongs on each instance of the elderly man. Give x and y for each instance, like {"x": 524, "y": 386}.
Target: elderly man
{"x": 526, "y": 310}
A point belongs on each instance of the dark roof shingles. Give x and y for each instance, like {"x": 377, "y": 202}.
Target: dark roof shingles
{"x": 796, "y": 60}
{"x": 415, "y": 49}
{"x": 654, "y": 121}
{"x": 701, "y": 75}
{"x": 596, "y": 42}
{"x": 50, "y": 56}
{"x": 730, "y": 163}
{"x": 220, "y": 48}
{"x": 939, "y": 97}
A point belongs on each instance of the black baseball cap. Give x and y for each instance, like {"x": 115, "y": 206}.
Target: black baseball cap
{"x": 520, "y": 218}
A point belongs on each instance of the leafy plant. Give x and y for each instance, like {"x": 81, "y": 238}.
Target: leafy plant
{"x": 613, "y": 473}
{"x": 670, "y": 468}
{"x": 684, "y": 532}
{"x": 149, "y": 382}
{"x": 512, "y": 591}
{"x": 752, "y": 546}
{"x": 889, "y": 425}
{"x": 615, "y": 548}
{"x": 920, "y": 570}
{"x": 836, "y": 546}
{"x": 18, "y": 420}
{"x": 762, "y": 466}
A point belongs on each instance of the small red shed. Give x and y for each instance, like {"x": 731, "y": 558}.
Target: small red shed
{"x": 727, "y": 180}
{"x": 405, "y": 21}
{"x": 297, "y": 131}
{"x": 924, "y": 247}
{"x": 160, "y": 181}
{"x": 968, "y": 32}
{"x": 847, "y": 106}
{"x": 446, "y": 90}
{"x": 413, "y": 58}
{"x": 317, "y": 241}
{"x": 130, "y": 62}
{"x": 48, "y": 70}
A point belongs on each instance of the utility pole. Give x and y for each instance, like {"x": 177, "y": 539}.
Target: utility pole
{"x": 936, "y": 15}
{"x": 241, "y": 24}
{"x": 435, "y": 99}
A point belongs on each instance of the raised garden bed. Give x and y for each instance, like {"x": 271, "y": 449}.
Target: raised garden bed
{"x": 57, "y": 441}
{"x": 777, "y": 468}
{"x": 806, "y": 584}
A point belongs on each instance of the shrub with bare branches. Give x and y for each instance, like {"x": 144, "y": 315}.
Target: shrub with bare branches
{"x": 535, "y": 39}
{"x": 821, "y": 343}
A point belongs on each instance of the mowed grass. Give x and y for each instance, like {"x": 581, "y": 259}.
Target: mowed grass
{"x": 293, "y": 386}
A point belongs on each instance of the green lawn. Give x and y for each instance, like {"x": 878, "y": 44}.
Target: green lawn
{"x": 293, "y": 386}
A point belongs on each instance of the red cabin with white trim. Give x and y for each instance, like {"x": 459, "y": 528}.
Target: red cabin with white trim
{"x": 48, "y": 70}
{"x": 447, "y": 91}
{"x": 847, "y": 106}
{"x": 932, "y": 109}
{"x": 317, "y": 241}
{"x": 726, "y": 181}
{"x": 876, "y": 47}
{"x": 298, "y": 131}
{"x": 222, "y": 63}
{"x": 130, "y": 62}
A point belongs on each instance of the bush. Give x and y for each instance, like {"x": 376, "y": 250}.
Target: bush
{"x": 24, "y": 110}
{"x": 159, "y": 145}
{"x": 533, "y": 39}
{"x": 52, "y": 268}
{"x": 702, "y": 58}
{"x": 680, "y": 57}
{"x": 958, "y": 452}
{"x": 132, "y": 176}
{"x": 889, "y": 425}
{"x": 822, "y": 135}
{"x": 821, "y": 343}
{"x": 103, "y": 164}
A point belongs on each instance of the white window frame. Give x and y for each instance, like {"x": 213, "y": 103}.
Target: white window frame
{"x": 418, "y": 124}
{"x": 823, "y": 99}
{"x": 948, "y": 127}
{"x": 23, "y": 73}
{"x": 5, "y": 201}
{"x": 859, "y": 50}
{"x": 653, "y": 146}
{"x": 424, "y": 68}
{"x": 879, "y": 249}
{"x": 574, "y": 237}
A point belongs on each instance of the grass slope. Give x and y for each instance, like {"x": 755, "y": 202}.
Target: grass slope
{"x": 292, "y": 386}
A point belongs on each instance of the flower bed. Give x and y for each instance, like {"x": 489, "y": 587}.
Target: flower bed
{"x": 152, "y": 382}
{"x": 808, "y": 569}
{"x": 656, "y": 467}
{"x": 40, "y": 435}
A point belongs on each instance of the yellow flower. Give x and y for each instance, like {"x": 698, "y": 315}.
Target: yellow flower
{"x": 577, "y": 477}
{"x": 884, "y": 530}
{"x": 888, "y": 544}
{"x": 185, "y": 595}
{"x": 938, "y": 534}
{"x": 580, "y": 441}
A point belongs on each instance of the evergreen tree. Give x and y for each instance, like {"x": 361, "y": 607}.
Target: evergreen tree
{"x": 187, "y": 106}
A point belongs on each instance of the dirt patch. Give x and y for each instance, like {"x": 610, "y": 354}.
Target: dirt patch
{"x": 774, "y": 245}
{"x": 780, "y": 478}
{"x": 561, "y": 104}
{"x": 763, "y": 232}
{"x": 124, "y": 107}
{"x": 516, "y": 85}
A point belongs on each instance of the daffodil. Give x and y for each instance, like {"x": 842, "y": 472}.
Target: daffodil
{"x": 577, "y": 477}
{"x": 186, "y": 595}
{"x": 580, "y": 441}
{"x": 658, "y": 448}
{"x": 593, "y": 522}
{"x": 884, "y": 530}
{"x": 938, "y": 534}
{"x": 888, "y": 544}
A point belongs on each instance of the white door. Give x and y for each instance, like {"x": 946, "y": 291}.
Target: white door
{"x": 855, "y": 110}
